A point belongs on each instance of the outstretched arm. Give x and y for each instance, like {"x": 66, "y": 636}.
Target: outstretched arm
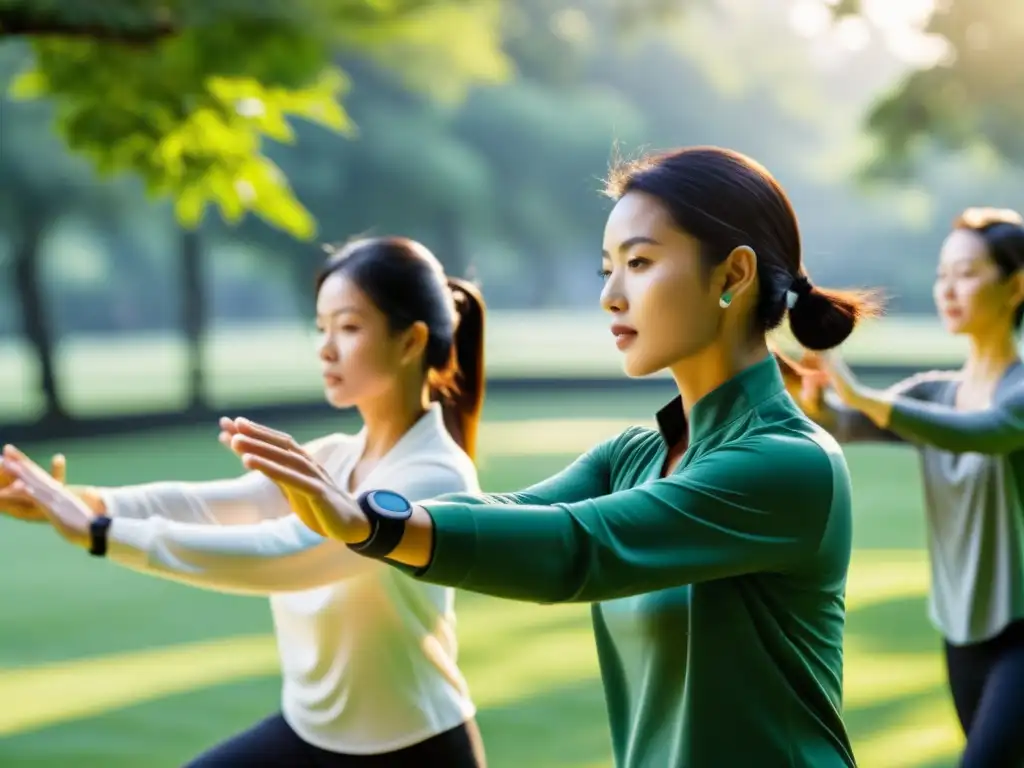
{"x": 912, "y": 395}
{"x": 807, "y": 384}
{"x": 260, "y": 559}
{"x": 849, "y": 425}
{"x": 273, "y": 556}
{"x": 760, "y": 507}
{"x": 998, "y": 429}
{"x": 245, "y": 500}
{"x": 586, "y": 477}
{"x": 734, "y": 512}
{"x": 237, "y": 501}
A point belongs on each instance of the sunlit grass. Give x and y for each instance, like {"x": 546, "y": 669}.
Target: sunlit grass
{"x": 511, "y": 652}
{"x": 928, "y": 735}
{"x": 880, "y": 575}
{"x": 876, "y": 678}
{"x": 53, "y": 693}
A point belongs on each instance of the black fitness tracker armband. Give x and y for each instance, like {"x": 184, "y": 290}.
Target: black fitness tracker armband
{"x": 98, "y": 535}
{"x": 387, "y": 513}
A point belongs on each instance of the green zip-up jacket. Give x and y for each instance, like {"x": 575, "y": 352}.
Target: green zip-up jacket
{"x": 743, "y": 669}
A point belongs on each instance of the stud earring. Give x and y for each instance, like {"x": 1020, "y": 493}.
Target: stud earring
{"x": 725, "y": 301}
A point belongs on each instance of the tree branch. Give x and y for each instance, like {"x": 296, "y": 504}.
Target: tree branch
{"x": 19, "y": 22}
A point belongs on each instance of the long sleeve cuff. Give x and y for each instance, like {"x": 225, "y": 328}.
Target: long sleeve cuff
{"x": 130, "y": 541}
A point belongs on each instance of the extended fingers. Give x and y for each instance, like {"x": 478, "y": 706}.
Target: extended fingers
{"x": 59, "y": 468}
{"x": 314, "y": 515}
{"x": 28, "y": 483}
{"x": 22, "y": 467}
{"x": 283, "y": 474}
{"x": 227, "y": 431}
{"x": 245, "y": 445}
{"x": 265, "y": 433}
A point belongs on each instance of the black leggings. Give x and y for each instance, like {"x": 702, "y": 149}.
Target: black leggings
{"x": 987, "y": 682}
{"x": 273, "y": 743}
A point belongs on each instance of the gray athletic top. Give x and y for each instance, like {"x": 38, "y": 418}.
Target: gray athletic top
{"x": 973, "y": 467}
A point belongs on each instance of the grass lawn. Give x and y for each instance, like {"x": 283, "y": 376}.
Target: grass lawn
{"x": 104, "y": 668}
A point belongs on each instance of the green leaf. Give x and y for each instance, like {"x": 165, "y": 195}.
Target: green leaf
{"x": 32, "y": 84}
{"x": 189, "y": 205}
{"x": 274, "y": 201}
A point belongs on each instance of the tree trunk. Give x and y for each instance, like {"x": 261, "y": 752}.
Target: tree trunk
{"x": 33, "y": 314}
{"x": 194, "y": 311}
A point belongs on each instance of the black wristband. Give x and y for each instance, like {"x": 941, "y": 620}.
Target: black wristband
{"x": 387, "y": 513}
{"x": 98, "y": 535}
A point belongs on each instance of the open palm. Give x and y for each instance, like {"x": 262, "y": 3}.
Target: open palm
{"x": 232, "y": 437}
{"x": 68, "y": 514}
{"x": 311, "y": 492}
{"x": 16, "y": 502}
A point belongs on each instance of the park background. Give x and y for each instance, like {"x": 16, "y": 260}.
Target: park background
{"x": 169, "y": 167}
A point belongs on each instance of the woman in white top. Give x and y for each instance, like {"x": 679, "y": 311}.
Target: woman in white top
{"x": 368, "y": 655}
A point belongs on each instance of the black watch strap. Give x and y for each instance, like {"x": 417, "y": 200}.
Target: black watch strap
{"x": 98, "y": 535}
{"x": 385, "y": 535}
{"x": 387, "y": 525}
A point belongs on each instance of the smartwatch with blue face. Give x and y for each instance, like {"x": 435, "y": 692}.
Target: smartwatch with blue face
{"x": 387, "y": 513}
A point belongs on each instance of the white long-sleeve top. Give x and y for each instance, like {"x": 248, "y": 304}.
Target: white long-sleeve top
{"x": 368, "y": 655}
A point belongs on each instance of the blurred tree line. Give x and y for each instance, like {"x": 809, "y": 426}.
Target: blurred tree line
{"x": 968, "y": 95}
{"x": 481, "y": 128}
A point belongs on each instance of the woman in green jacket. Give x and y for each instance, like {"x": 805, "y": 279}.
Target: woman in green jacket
{"x": 737, "y": 492}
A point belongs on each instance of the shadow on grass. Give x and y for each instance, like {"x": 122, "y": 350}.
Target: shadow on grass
{"x": 555, "y": 728}
{"x": 161, "y": 734}
{"x": 549, "y": 729}
{"x": 564, "y": 726}
{"x": 898, "y": 709}
{"x": 72, "y": 606}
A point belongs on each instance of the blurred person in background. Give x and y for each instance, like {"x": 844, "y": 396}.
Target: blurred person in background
{"x": 368, "y": 654}
{"x": 968, "y": 428}
{"x": 714, "y": 549}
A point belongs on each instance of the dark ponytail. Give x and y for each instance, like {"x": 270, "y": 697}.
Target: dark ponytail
{"x": 460, "y": 385}
{"x": 821, "y": 318}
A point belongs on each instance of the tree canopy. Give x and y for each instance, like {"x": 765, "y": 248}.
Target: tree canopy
{"x": 970, "y": 96}
{"x": 184, "y": 93}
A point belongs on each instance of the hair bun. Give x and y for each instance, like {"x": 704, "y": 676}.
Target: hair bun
{"x": 798, "y": 289}
{"x": 821, "y": 318}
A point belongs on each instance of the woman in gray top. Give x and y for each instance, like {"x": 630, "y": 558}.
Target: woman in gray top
{"x": 968, "y": 427}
